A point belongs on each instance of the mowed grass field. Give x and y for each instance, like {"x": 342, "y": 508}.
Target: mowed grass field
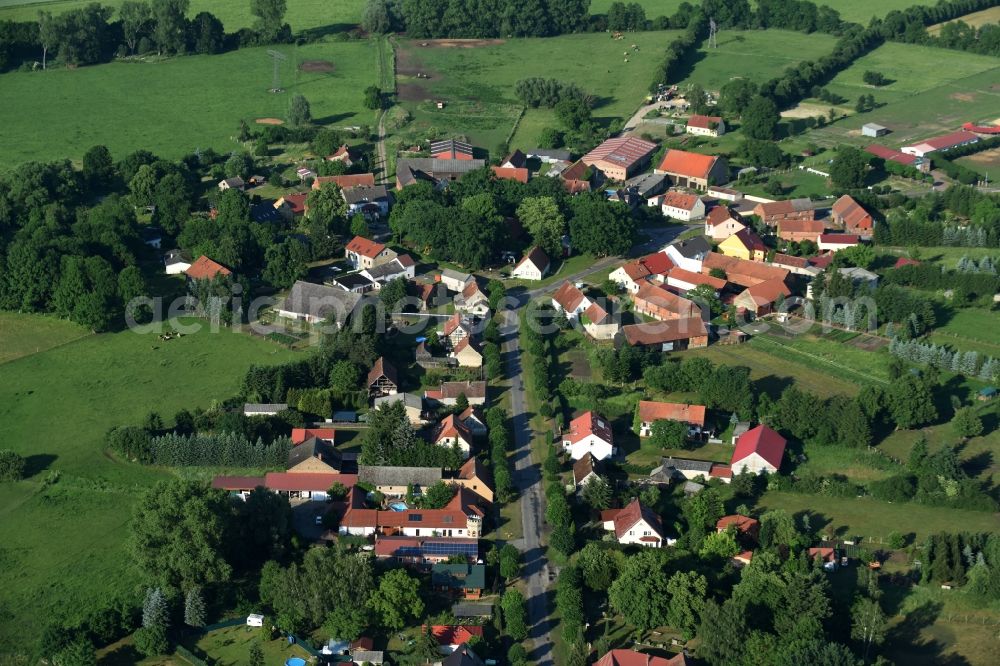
{"x": 21, "y": 336}
{"x": 872, "y": 519}
{"x": 910, "y": 70}
{"x": 62, "y": 543}
{"x": 477, "y": 82}
{"x": 933, "y": 92}
{"x": 234, "y": 14}
{"x": 757, "y": 55}
{"x": 174, "y": 106}
{"x": 773, "y": 373}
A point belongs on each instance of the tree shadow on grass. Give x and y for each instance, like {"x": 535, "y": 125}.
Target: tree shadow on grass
{"x": 38, "y": 463}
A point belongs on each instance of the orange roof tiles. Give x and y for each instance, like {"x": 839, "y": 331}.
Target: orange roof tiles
{"x": 204, "y": 268}
{"x": 680, "y": 200}
{"x": 365, "y": 247}
{"x": 696, "y": 278}
{"x": 691, "y": 165}
{"x": 650, "y": 411}
{"x": 511, "y": 173}
{"x": 346, "y": 181}
{"x": 704, "y": 122}
{"x": 588, "y": 424}
{"x": 568, "y": 296}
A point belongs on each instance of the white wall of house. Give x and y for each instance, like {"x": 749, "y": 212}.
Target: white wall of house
{"x": 527, "y": 271}
{"x": 591, "y": 444}
{"x": 448, "y": 442}
{"x": 723, "y": 231}
{"x": 693, "y": 264}
{"x": 601, "y": 331}
{"x": 754, "y": 463}
{"x": 178, "y": 268}
{"x": 635, "y": 534}
{"x": 451, "y": 284}
{"x": 697, "y": 211}
{"x": 621, "y": 278}
{"x": 584, "y": 304}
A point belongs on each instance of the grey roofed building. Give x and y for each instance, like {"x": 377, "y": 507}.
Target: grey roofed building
{"x": 315, "y": 448}
{"x": 670, "y": 468}
{"x": 472, "y": 610}
{"x": 462, "y": 656}
{"x": 648, "y": 184}
{"x": 362, "y": 194}
{"x": 317, "y": 302}
{"x": 408, "y": 400}
{"x": 176, "y": 257}
{"x": 386, "y": 271}
{"x": 549, "y": 154}
{"x": 368, "y": 657}
{"x": 265, "y": 212}
{"x": 263, "y": 408}
{"x": 399, "y": 476}
{"x": 411, "y": 169}
{"x": 352, "y": 282}
{"x": 692, "y": 488}
{"x": 456, "y": 275}
{"x": 692, "y": 247}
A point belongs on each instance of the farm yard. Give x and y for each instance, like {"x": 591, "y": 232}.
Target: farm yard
{"x": 174, "y": 106}
{"x": 57, "y": 406}
{"x": 475, "y": 80}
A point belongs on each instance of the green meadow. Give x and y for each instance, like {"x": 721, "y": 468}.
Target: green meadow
{"x": 757, "y": 55}
{"x": 176, "y": 105}
{"x": 964, "y": 91}
{"x": 480, "y": 81}
{"x": 911, "y": 69}
{"x": 21, "y": 336}
{"x": 63, "y": 528}
{"x": 234, "y": 14}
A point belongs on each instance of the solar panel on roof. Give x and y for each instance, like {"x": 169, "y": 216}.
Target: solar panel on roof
{"x": 415, "y": 517}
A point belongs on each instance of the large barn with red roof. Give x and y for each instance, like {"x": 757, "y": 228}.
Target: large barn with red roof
{"x": 758, "y": 450}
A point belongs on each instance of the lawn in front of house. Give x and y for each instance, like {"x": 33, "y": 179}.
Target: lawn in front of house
{"x": 63, "y": 528}
{"x": 230, "y": 646}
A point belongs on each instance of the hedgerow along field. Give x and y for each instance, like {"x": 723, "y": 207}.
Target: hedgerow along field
{"x": 62, "y": 543}
{"x": 479, "y": 76}
{"x": 234, "y": 14}
{"x": 174, "y": 106}
{"x": 858, "y": 11}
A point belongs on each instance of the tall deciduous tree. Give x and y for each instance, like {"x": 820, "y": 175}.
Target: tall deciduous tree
{"x": 638, "y": 592}
{"x": 514, "y": 614}
{"x": 270, "y": 17}
{"x": 179, "y": 534}
{"x": 170, "y": 25}
{"x": 299, "y": 112}
{"x": 687, "y": 591}
{"x": 760, "y": 118}
{"x": 135, "y": 18}
{"x": 397, "y": 599}
{"x": 545, "y": 222}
